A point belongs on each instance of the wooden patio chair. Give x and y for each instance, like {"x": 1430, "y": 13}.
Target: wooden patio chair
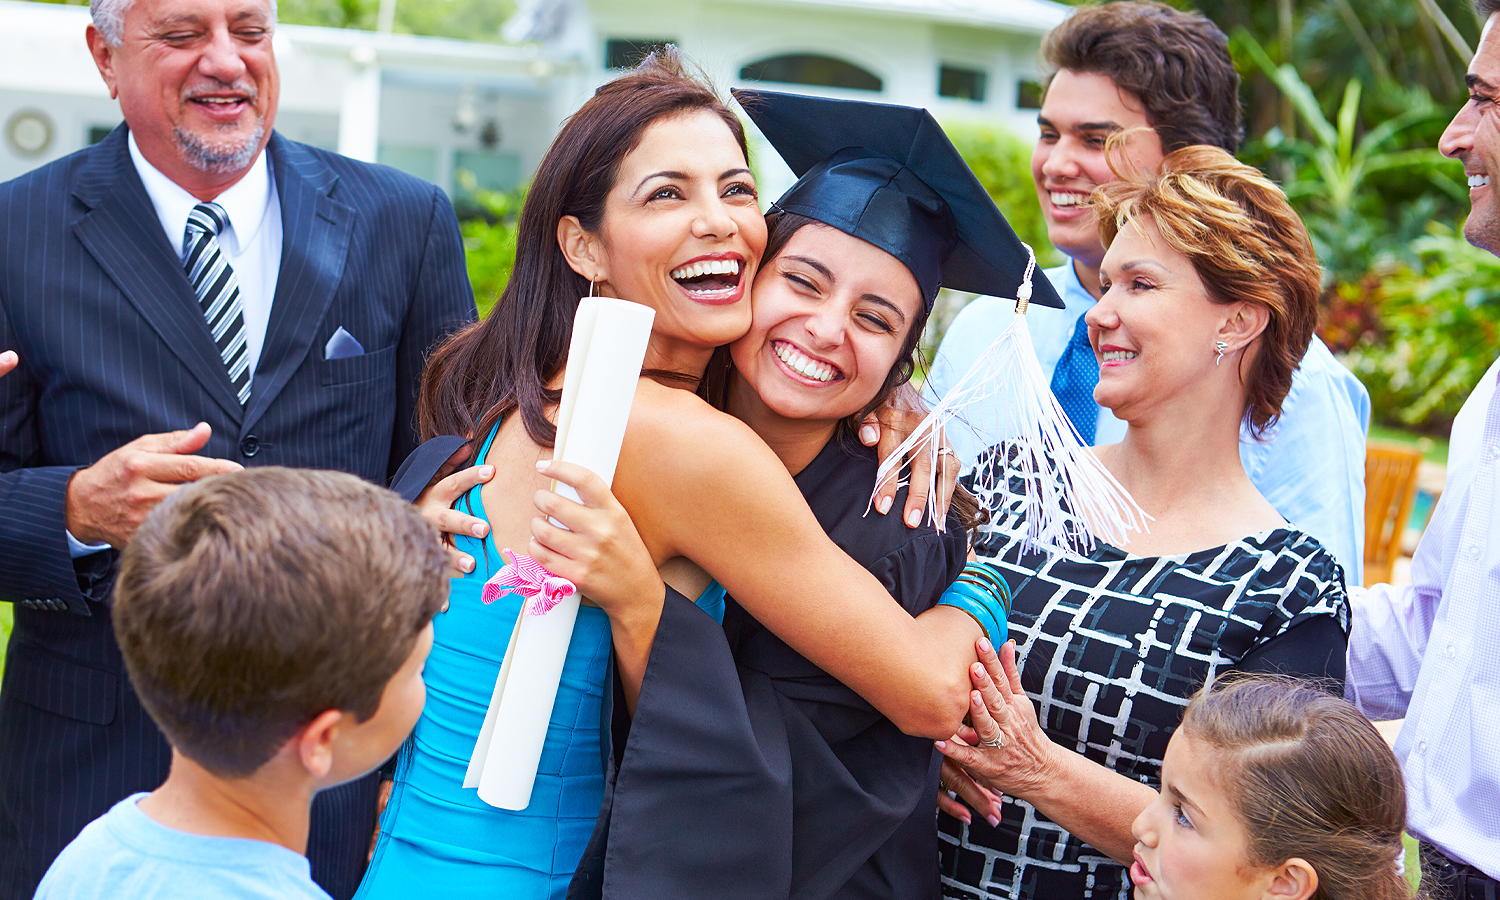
{"x": 1390, "y": 489}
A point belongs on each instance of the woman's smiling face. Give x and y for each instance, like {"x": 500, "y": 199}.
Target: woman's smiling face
{"x": 831, "y": 317}
{"x": 682, "y": 233}
{"x": 1154, "y": 328}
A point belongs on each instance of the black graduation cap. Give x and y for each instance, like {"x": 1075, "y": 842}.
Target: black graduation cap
{"x": 888, "y": 175}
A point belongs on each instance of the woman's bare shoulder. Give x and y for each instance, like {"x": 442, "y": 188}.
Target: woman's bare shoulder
{"x": 673, "y": 417}
{"x": 684, "y": 464}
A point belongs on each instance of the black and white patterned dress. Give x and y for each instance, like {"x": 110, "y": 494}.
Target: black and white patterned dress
{"x": 1110, "y": 649}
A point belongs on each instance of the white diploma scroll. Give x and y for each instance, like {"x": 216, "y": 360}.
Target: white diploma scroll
{"x": 604, "y": 364}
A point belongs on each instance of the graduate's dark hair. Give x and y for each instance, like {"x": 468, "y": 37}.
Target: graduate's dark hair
{"x": 1486, "y": 8}
{"x": 505, "y": 362}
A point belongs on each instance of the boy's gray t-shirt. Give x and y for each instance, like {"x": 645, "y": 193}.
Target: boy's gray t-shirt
{"x": 126, "y": 853}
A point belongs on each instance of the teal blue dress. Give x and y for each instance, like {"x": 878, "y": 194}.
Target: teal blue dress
{"x": 436, "y": 836}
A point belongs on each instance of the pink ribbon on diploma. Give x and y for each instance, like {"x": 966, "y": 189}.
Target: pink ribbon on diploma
{"x": 525, "y": 576}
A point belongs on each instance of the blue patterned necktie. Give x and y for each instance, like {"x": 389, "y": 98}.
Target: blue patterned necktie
{"x": 1073, "y": 382}
{"x": 218, "y": 292}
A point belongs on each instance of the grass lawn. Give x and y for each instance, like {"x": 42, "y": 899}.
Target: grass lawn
{"x": 1434, "y": 450}
{"x": 1413, "y": 867}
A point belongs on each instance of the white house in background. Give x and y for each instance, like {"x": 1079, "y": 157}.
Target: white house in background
{"x": 435, "y": 107}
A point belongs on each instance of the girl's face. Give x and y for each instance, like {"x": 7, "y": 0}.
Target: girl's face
{"x": 831, "y": 317}
{"x": 682, "y": 233}
{"x": 1154, "y": 329}
{"x": 1190, "y": 843}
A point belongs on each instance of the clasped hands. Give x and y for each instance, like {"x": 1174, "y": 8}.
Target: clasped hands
{"x": 1003, "y": 749}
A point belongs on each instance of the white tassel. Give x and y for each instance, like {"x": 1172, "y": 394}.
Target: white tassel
{"x": 1071, "y": 499}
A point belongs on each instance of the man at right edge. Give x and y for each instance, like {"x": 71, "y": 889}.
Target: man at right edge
{"x": 1430, "y": 651}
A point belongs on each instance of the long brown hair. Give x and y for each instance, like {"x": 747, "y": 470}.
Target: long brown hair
{"x": 1310, "y": 777}
{"x": 505, "y": 362}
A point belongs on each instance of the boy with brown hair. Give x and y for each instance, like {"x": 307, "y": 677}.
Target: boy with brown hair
{"x": 274, "y": 623}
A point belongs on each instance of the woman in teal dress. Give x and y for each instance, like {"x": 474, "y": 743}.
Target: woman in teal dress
{"x": 537, "y": 848}
{"x": 645, "y": 194}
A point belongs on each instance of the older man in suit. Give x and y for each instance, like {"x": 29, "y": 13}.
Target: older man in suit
{"x": 193, "y": 294}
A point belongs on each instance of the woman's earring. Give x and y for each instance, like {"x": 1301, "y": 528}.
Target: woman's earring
{"x": 592, "y": 284}
{"x": 1220, "y": 346}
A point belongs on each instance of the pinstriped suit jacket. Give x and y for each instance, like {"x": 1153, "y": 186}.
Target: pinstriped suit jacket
{"x": 113, "y": 345}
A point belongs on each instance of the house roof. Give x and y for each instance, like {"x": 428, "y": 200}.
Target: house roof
{"x": 1033, "y": 16}
{"x": 542, "y": 20}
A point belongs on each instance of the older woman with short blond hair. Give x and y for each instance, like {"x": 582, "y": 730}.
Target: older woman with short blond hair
{"x": 1211, "y": 289}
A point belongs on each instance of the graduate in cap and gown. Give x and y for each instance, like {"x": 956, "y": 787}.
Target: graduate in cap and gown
{"x": 746, "y": 770}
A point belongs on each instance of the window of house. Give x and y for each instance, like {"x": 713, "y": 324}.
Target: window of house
{"x": 961, "y": 83}
{"x": 812, "y": 68}
{"x": 1028, "y": 94}
{"x": 620, "y": 53}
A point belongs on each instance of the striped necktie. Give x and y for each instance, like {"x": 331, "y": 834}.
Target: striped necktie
{"x": 218, "y": 292}
{"x": 1073, "y": 382}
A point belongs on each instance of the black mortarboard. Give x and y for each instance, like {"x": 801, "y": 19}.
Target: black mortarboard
{"x": 889, "y": 175}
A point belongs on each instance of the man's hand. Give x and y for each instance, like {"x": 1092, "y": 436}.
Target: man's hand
{"x": 108, "y": 501}
{"x": 8, "y": 361}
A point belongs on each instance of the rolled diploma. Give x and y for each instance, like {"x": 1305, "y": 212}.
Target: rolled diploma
{"x": 604, "y": 364}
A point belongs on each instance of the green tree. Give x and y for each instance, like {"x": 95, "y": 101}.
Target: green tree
{"x": 1333, "y": 174}
{"x": 488, "y": 222}
{"x": 1002, "y": 163}
{"x": 1441, "y": 324}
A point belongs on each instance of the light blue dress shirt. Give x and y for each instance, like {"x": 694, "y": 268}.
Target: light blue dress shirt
{"x": 1310, "y": 467}
{"x": 1430, "y": 651}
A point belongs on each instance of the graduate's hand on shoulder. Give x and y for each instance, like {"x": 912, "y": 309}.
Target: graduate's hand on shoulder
{"x": 8, "y": 360}
{"x": 885, "y": 429}
{"x": 597, "y": 546}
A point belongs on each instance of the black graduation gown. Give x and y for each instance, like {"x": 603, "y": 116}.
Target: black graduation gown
{"x": 747, "y": 771}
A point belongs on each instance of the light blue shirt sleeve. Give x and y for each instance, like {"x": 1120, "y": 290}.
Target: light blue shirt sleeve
{"x": 125, "y": 853}
{"x": 1311, "y": 468}
{"x": 975, "y": 328}
{"x": 1430, "y": 650}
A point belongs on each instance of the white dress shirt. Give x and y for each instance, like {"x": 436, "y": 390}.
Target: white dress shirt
{"x": 251, "y": 243}
{"x": 1311, "y": 467}
{"x": 1430, "y": 651}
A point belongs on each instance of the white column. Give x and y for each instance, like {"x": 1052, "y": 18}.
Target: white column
{"x": 359, "y": 114}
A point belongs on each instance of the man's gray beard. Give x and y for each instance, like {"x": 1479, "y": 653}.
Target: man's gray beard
{"x": 219, "y": 158}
